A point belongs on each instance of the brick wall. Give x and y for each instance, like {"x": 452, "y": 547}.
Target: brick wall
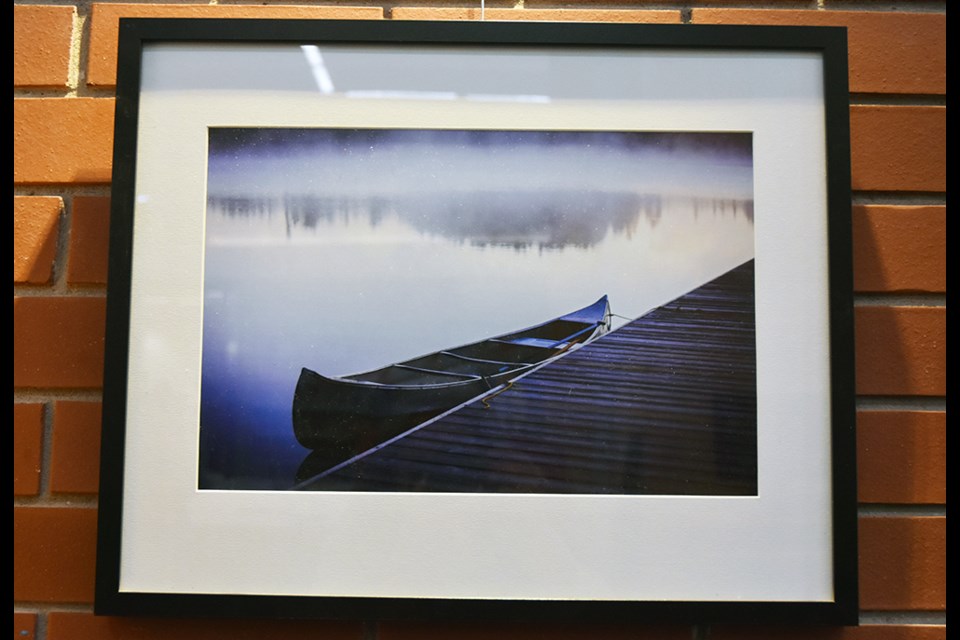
{"x": 64, "y": 73}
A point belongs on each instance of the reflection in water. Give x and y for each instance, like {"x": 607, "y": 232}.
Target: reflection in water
{"x": 315, "y": 463}
{"x": 344, "y": 251}
{"x": 518, "y": 220}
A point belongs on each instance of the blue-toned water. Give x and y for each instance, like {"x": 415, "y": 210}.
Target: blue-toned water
{"x": 344, "y": 252}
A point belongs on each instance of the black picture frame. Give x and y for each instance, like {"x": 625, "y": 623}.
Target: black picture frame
{"x": 118, "y": 497}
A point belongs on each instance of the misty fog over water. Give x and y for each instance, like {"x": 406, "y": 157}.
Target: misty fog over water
{"x": 344, "y": 250}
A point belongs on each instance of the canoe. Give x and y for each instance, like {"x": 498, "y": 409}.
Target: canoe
{"x": 346, "y": 415}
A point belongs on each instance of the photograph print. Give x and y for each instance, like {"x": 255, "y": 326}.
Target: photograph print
{"x": 479, "y": 311}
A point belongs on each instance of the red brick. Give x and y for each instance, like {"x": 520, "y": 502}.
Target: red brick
{"x": 89, "y": 240}
{"x": 105, "y": 24}
{"x": 69, "y": 625}
{"x": 54, "y": 551}
{"x": 36, "y": 220}
{"x": 890, "y": 52}
{"x": 523, "y": 631}
{"x": 558, "y": 15}
{"x": 903, "y": 563}
{"x": 27, "y": 448}
{"x": 898, "y": 148}
{"x": 901, "y": 350}
{"x": 58, "y": 342}
{"x": 75, "y": 449}
{"x": 24, "y": 626}
{"x": 62, "y": 140}
{"x": 865, "y": 632}
{"x": 902, "y": 457}
{"x": 900, "y": 249}
{"x": 41, "y": 45}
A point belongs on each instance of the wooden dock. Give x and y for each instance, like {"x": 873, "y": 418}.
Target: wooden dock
{"x": 666, "y": 404}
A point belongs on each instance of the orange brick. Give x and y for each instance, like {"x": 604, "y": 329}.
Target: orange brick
{"x": 890, "y": 52}
{"x": 105, "y": 24}
{"x": 69, "y": 625}
{"x": 41, "y": 45}
{"x": 523, "y": 631}
{"x": 58, "y": 342}
{"x": 54, "y": 552}
{"x": 903, "y": 563}
{"x": 75, "y": 449}
{"x": 36, "y": 220}
{"x": 89, "y": 240}
{"x": 62, "y": 140}
{"x": 901, "y": 350}
{"x": 902, "y": 456}
{"x": 24, "y": 626}
{"x": 902, "y": 249}
{"x": 558, "y": 15}
{"x": 27, "y": 448}
{"x": 898, "y": 148}
{"x": 865, "y": 632}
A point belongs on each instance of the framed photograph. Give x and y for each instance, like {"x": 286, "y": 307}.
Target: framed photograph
{"x": 448, "y": 320}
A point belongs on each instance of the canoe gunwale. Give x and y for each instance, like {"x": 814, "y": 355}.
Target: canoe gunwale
{"x": 484, "y": 361}
{"x": 560, "y": 347}
{"x": 436, "y": 385}
{"x": 467, "y": 376}
{"x": 492, "y": 380}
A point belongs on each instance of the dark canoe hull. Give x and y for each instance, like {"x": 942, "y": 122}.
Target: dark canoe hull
{"x": 331, "y": 414}
{"x": 345, "y": 416}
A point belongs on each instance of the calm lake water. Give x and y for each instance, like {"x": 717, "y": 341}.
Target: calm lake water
{"x": 344, "y": 251}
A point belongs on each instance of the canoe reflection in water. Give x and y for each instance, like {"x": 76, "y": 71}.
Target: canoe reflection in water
{"x": 340, "y": 417}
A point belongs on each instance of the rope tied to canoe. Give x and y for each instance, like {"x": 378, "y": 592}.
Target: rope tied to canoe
{"x": 486, "y": 400}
